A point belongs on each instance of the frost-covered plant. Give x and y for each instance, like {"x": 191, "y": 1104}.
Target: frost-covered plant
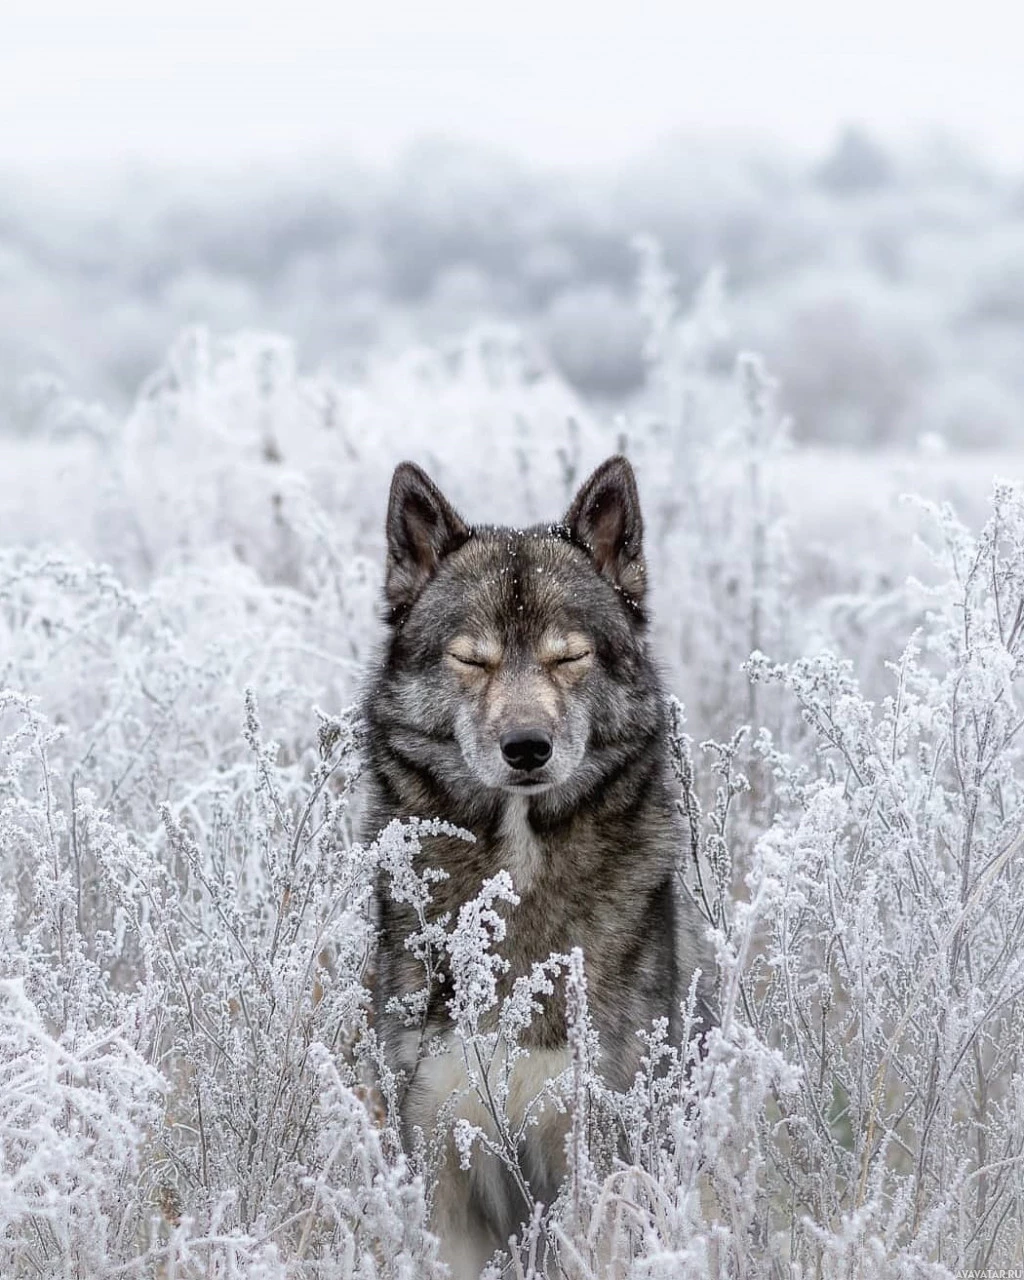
{"x": 78, "y": 1086}
{"x": 711, "y": 427}
{"x": 73, "y": 1109}
{"x": 184, "y": 1046}
{"x": 894, "y": 970}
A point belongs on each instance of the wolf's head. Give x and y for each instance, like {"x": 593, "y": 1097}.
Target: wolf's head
{"x": 517, "y": 659}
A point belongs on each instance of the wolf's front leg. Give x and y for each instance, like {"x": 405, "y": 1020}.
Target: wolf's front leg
{"x": 468, "y": 1241}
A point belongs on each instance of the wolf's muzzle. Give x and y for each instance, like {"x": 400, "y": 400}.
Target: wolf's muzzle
{"x": 525, "y": 748}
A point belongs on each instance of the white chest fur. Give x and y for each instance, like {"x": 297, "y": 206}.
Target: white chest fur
{"x": 522, "y": 854}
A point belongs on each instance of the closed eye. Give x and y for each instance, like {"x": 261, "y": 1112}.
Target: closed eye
{"x": 468, "y": 662}
{"x": 572, "y": 657}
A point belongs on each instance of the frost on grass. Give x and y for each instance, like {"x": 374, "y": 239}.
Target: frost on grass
{"x": 190, "y": 1082}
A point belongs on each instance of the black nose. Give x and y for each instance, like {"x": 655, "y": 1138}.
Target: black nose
{"x": 526, "y": 748}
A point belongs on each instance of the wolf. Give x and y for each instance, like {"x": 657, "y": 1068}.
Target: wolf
{"x": 517, "y": 698}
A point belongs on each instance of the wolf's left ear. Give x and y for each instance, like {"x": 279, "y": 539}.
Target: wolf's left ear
{"x": 422, "y": 528}
{"x": 605, "y": 519}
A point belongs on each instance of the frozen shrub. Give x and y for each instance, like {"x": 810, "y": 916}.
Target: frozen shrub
{"x": 185, "y": 1056}
{"x": 893, "y": 974}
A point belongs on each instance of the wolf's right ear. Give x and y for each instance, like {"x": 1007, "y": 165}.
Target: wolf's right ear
{"x": 422, "y": 528}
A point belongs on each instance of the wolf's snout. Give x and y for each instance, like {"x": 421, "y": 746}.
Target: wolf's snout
{"x": 526, "y": 748}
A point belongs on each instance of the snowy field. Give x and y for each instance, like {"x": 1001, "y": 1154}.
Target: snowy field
{"x": 189, "y": 594}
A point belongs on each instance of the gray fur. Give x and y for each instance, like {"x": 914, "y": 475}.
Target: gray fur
{"x": 494, "y": 630}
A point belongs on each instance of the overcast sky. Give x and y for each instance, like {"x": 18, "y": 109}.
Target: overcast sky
{"x": 183, "y": 81}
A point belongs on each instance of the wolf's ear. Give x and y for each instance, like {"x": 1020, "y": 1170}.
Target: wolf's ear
{"x": 422, "y": 528}
{"x": 605, "y": 519}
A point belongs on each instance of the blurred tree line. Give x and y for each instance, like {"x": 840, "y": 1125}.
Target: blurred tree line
{"x": 886, "y": 289}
